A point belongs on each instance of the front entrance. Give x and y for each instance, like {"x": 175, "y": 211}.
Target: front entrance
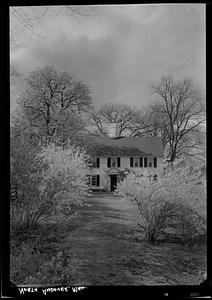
{"x": 113, "y": 182}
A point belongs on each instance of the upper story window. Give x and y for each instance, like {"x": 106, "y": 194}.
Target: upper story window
{"x": 150, "y": 162}
{"x": 136, "y": 162}
{"x": 114, "y": 162}
{"x": 95, "y": 162}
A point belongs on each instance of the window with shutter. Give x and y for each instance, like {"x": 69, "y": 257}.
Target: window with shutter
{"x": 145, "y": 162}
{"x": 141, "y": 162}
{"x": 136, "y": 162}
{"x": 114, "y": 162}
{"x": 93, "y": 180}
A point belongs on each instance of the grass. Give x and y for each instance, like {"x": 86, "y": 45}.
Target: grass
{"x": 102, "y": 246}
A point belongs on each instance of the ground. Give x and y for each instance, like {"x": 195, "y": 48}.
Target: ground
{"x": 104, "y": 247}
{"x": 108, "y": 250}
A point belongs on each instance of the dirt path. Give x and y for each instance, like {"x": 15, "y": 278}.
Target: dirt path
{"x": 105, "y": 251}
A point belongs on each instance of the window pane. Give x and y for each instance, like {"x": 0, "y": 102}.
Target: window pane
{"x": 94, "y": 180}
{"x": 113, "y": 162}
{"x": 136, "y": 162}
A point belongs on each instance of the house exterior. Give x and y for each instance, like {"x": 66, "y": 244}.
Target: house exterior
{"x": 114, "y": 157}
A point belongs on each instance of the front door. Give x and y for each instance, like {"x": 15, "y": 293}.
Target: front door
{"x": 113, "y": 182}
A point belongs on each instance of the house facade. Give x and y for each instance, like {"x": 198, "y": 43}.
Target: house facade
{"x": 114, "y": 157}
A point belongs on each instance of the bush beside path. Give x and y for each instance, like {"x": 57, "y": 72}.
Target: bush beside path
{"x": 104, "y": 247}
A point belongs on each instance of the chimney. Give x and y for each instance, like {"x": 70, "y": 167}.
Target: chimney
{"x": 113, "y": 130}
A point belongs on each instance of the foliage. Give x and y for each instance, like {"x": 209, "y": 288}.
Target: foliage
{"x": 176, "y": 199}
{"x": 29, "y": 266}
{"x": 65, "y": 182}
{"x": 52, "y": 105}
{"x": 24, "y": 263}
{"x": 45, "y": 181}
{"x": 26, "y": 175}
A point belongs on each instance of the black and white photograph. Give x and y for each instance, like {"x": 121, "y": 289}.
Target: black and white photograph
{"x": 108, "y": 145}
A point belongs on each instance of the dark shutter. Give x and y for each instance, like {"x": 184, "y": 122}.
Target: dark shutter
{"x": 131, "y": 162}
{"x": 145, "y": 162}
{"x": 97, "y": 180}
{"x": 97, "y": 162}
{"x": 155, "y": 162}
{"x": 141, "y": 162}
{"x": 108, "y": 162}
{"x": 118, "y": 162}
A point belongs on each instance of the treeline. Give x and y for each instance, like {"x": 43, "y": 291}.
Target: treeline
{"x": 55, "y": 107}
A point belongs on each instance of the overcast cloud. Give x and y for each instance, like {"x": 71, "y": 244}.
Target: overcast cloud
{"x": 118, "y": 51}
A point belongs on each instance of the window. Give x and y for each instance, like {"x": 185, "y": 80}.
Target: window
{"x": 145, "y": 162}
{"x": 113, "y": 162}
{"x": 136, "y": 162}
{"x": 155, "y": 162}
{"x": 150, "y": 162}
{"x": 95, "y": 180}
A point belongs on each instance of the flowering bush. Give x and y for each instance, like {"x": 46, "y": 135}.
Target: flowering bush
{"x": 176, "y": 199}
{"x": 65, "y": 183}
{"x": 45, "y": 182}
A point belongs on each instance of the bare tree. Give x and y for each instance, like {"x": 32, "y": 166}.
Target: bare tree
{"x": 122, "y": 114}
{"x": 23, "y": 19}
{"x": 180, "y": 113}
{"x": 52, "y": 104}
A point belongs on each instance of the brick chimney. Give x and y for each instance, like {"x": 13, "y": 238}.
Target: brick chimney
{"x": 113, "y": 130}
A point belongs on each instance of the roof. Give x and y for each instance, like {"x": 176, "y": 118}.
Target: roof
{"x": 125, "y": 146}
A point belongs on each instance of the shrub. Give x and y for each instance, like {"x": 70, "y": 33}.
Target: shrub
{"x": 176, "y": 199}
{"x": 45, "y": 182}
{"x": 24, "y": 263}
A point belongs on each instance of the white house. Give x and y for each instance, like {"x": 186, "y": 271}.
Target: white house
{"x": 113, "y": 158}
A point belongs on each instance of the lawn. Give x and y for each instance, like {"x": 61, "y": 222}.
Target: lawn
{"x": 102, "y": 246}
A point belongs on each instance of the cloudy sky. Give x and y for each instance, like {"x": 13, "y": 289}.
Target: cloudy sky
{"x": 116, "y": 50}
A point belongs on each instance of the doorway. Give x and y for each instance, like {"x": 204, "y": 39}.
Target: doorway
{"x": 113, "y": 182}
